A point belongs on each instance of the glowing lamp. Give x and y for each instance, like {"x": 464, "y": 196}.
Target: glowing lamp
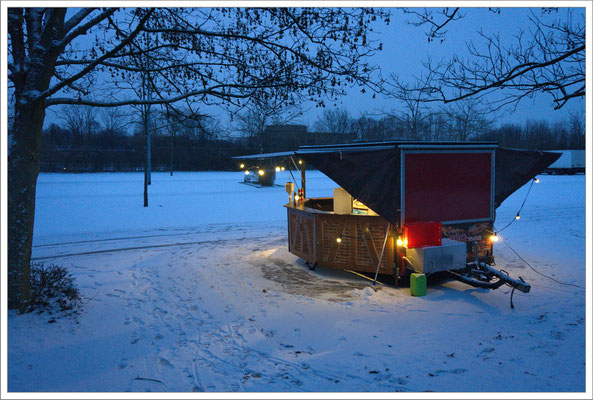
{"x": 282, "y": 168}
{"x": 494, "y": 238}
{"x": 536, "y": 180}
{"x": 246, "y": 172}
{"x": 261, "y": 172}
{"x": 339, "y": 239}
{"x": 300, "y": 161}
{"x": 277, "y": 169}
{"x": 517, "y": 216}
{"x": 399, "y": 242}
{"x": 242, "y": 166}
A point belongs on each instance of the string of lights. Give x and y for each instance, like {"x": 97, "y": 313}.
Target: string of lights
{"x": 494, "y": 237}
{"x": 518, "y": 216}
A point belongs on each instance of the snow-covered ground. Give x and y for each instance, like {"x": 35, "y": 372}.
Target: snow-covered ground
{"x": 199, "y": 293}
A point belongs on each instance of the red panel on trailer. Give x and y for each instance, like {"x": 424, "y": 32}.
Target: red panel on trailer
{"x": 421, "y": 234}
{"x": 452, "y": 186}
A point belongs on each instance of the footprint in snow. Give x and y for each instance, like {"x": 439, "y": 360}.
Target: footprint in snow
{"x": 455, "y": 371}
{"x": 164, "y": 362}
{"x": 557, "y": 335}
{"x": 159, "y": 311}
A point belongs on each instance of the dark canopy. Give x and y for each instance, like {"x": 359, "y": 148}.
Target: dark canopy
{"x": 372, "y": 175}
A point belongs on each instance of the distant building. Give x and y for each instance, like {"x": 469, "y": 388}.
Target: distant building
{"x": 290, "y": 137}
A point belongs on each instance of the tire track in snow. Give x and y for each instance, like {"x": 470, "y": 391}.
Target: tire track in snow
{"x": 154, "y": 246}
{"x": 188, "y": 233}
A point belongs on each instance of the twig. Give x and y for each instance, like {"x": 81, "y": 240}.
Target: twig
{"x": 138, "y": 378}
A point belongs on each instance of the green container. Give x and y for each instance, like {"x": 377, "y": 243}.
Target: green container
{"x": 418, "y": 285}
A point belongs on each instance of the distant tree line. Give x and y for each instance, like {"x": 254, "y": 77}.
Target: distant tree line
{"x": 87, "y": 141}
{"x": 462, "y": 121}
{"x": 90, "y": 140}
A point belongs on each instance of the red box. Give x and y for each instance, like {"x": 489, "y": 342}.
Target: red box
{"x": 421, "y": 234}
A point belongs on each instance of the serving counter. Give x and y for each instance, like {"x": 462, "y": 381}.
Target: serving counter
{"x": 343, "y": 241}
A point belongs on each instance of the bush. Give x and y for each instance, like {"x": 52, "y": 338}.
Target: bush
{"x": 52, "y": 286}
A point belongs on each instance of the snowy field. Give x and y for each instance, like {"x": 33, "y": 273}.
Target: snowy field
{"x": 199, "y": 293}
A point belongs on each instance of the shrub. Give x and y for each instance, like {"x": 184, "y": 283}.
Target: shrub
{"x": 52, "y": 286}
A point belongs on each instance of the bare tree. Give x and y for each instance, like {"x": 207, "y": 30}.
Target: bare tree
{"x": 548, "y": 59}
{"x": 467, "y": 118}
{"x": 181, "y": 122}
{"x": 368, "y": 128}
{"x": 436, "y": 28}
{"x": 113, "y": 120}
{"x": 197, "y": 55}
{"x": 438, "y": 126}
{"x": 264, "y": 109}
{"x": 413, "y": 119}
{"x": 334, "y": 121}
{"x": 81, "y": 121}
{"x": 577, "y": 130}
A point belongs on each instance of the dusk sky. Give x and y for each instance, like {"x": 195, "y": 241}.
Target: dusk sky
{"x": 406, "y": 46}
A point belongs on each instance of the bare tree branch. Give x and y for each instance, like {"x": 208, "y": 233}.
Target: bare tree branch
{"x": 123, "y": 43}
{"x": 550, "y": 61}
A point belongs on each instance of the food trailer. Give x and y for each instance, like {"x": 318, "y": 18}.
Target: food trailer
{"x": 403, "y": 206}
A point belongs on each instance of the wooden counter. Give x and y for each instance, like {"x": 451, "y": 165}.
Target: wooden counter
{"x": 312, "y": 234}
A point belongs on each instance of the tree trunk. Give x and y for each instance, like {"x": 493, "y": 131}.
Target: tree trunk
{"x": 148, "y": 149}
{"x": 23, "y": 169}
{"x": 171, "y": 156}
{"x": 146, "y": 172}
{"x": 146, "y": 156}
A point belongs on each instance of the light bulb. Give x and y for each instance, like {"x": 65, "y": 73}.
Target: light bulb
{"x": 339, "y": 239}
{"x": 277, "y": 169}
{"x": 536, "y": 180}
{"x": 261, "y": 172}
{"x": 494, "y": 238}
{"x": 246, "y": 172}
{"x": 242, "y": 166}
{"x": 517, "y": 216}
{"x": 300, "y": 161}
{"x": 400, "y": 242}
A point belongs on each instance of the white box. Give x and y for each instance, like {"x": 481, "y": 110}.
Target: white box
{"x": 342, "y": 201}
{"x": 451, "y": 255}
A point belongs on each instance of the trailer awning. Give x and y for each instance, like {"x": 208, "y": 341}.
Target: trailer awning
{"x": 371, "y": 172}
{"x": 373, "y": 176}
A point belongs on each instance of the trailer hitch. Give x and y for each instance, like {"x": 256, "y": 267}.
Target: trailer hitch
{"x": 479, "y": 274}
